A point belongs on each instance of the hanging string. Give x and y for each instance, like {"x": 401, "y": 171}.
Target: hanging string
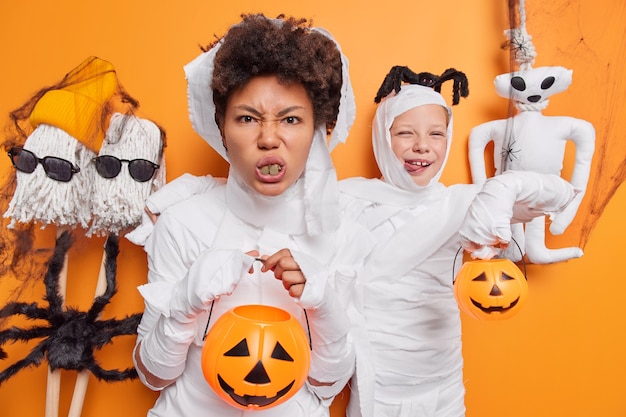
{"x": 519, "y": 41}
{"x": 522, "y": 57}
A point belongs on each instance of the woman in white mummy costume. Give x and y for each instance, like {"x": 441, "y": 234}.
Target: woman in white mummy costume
{"x": 264, "y": 97}
{"x": 407, "y": 328}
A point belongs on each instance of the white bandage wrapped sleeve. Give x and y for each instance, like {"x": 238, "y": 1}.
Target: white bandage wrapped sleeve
{"x": 180, "y": 189}
{"x": 332, "y": 355}
{"x": 511, "y": 197}
{"x": 163, "y": 350}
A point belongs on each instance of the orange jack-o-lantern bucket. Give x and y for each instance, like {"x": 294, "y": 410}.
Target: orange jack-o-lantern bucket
{"x": 492, "y": 289}
{"x": 256, "y": 357}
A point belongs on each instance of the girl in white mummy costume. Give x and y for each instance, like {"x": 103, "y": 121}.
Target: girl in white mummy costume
{"x": 406, "y": 323}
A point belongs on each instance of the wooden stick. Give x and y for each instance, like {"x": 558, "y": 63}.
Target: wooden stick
{"x": 82, "y": 379}
{"x": 53, "y": 391}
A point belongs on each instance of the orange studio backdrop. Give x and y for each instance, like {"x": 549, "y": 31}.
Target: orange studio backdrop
{"x": 561, "y": 355}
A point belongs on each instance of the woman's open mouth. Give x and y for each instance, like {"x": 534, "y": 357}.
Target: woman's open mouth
{"x": 270, "y": 169}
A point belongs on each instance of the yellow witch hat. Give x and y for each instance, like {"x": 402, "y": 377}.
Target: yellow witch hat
{"x": 78, "y": 106}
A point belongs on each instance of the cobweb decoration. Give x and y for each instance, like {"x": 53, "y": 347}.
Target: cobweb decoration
{"x": 519, "y": 41}
{"x": 594, "y": 44}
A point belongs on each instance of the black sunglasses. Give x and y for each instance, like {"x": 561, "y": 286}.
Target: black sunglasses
{"x": 141, "y": 170}
{"x": 56, "y": 168}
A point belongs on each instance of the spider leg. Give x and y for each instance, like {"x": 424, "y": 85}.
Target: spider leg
{"x": 397, "y": 74}
{"x": 392, "y": 81}
{"x": 410, "y": 77}
{"x": 13, "y": 334}
{"x": 113, "y": 374}
{"x": 108, "y": 329}
{"x": 111, "y": 249}
{"x": 34, "y": 358}
{"x": 30, "y": 310}
{"x": 55, "y": 266}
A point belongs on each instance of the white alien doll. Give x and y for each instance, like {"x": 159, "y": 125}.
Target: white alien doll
{"x": 530, "y": 141}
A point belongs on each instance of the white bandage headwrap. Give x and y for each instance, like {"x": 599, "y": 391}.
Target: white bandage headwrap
{"x": 410, "y": 96}
{"x": 317, "y": 187}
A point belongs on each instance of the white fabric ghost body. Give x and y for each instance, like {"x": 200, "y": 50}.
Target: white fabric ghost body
{"x": 220, "y": 222}
{"x": 118, "y": 203}
{"x": 40, "y": 199}
{"x": 530, "y": 141}
{"x": 406, "y": 322}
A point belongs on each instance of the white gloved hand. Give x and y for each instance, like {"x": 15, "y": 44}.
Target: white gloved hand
{"x": 511, "y": 197}
{"x": 332, "y": 354}
{"x": 214, "y": 273}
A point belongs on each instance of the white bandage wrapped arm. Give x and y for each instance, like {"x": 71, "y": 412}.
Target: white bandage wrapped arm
{"x": 180, "y": 189}
{"x": 163, "y": 348}
{"x": 511, "y": 197}
{"x": 332, "y": 355}
{"x": 161, "y": 354}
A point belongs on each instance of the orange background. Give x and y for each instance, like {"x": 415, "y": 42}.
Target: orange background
{"x": 562, "y": 355}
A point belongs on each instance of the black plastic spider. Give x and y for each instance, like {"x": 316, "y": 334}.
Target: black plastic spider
{"x": 399, "y": 74}
{"x": 519, "y": 45}
{"x": 508, "y": 152}
{"x": 71, "y": 336}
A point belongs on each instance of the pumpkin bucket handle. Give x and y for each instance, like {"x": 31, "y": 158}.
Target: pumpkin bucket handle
{"x": 457, "y": 254}
{"x": 306, "y": 318}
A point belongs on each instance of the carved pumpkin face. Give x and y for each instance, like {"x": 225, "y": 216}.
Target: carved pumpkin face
{"x": 256, "y": 357}
{"x": 490, "y": 290}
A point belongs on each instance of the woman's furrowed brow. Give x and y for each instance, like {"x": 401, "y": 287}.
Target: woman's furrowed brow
{"x": 249, "y": 109}
{"x": 288, "y": 110}
{"x": 256, "y": 112}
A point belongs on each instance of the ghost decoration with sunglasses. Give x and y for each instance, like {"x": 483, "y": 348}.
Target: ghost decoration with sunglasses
{"x": 117, "y": 195}
{"x": 60, "y": 179}
{"x": 83, "y": 160}
{"x": 127, "y": 173}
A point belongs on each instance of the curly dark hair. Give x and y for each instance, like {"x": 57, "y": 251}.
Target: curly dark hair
{"x": 291, "y": 51}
